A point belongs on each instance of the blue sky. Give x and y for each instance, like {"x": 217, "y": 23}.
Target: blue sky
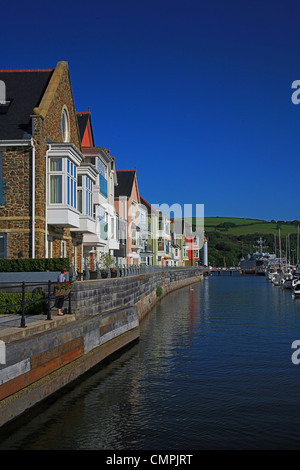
{"x": 195, "y": 94}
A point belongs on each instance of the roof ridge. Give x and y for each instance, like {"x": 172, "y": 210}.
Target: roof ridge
{"x": 26, "y": 70}
{"x": 126, "y": 170}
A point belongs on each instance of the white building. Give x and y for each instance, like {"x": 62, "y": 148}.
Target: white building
{"x": 103, "y": 240}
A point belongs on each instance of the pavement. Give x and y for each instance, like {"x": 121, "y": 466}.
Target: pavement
{"x": 10, "y": 320}
{"x": 11, "y": 329}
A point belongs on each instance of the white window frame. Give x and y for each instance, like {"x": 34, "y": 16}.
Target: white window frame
{"x": 66, "y": 152}
{"x": 63, "y": 249}
{"x": 49, "y": 246}
{"x": 71, "y": 184}
{"x": 65, "y": 128}
{"x": 88, "y": 196}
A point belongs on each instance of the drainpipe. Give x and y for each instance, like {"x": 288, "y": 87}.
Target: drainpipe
{"x": 46, "y": 206}
{"x": 33, "y": 201}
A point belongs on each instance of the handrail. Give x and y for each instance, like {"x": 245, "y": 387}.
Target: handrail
{"x": 48, "y": 288}
{"x": 21, "y": 288}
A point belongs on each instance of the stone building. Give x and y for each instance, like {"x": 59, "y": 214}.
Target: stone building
{"x": 40, "y": 155}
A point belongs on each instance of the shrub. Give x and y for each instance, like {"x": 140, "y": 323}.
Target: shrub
{"x": 159, "y": 291}
{"x": 10, "y": 302}
{"x": 33, "y": 264}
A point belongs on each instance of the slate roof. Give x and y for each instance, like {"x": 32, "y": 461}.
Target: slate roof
{"x": 82, "y": 119}
{"x": 25, "y": 89}
{"x": 125, "y": 182}
{"x": 148, "y": 206}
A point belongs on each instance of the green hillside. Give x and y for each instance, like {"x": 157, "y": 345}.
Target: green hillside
{"x": 230, "y": 238}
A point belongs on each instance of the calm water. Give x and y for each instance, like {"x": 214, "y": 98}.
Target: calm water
{"x": 212, "y": 370}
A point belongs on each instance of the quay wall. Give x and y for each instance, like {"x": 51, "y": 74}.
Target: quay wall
{"x": 97, "y": 296}
{"x": 47, "y": 355}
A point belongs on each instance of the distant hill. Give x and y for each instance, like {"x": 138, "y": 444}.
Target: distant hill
{"x": 230, "y": 238}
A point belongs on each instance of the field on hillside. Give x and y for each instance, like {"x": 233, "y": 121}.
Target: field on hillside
{"x": 231, "y": 238}
{"x": 236, "y": 226}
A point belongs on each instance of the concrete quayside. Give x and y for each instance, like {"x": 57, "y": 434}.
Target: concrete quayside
{"x": 47, "y": 355}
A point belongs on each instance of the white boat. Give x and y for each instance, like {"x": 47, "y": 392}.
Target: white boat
{"x": 287, "y": 280}
{"x": 296, "y": 290}
{"x": 295, "y": 282}
{"x": 271, "y": 272}
{"x": 276, "y": 279}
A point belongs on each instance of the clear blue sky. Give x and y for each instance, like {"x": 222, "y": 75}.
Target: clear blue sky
{"x": 195, "y": 94}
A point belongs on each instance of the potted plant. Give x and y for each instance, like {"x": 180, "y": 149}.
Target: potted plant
{"x": 62, "y": 289}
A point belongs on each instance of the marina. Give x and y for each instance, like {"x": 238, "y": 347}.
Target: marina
{"x": 212, "y": 370}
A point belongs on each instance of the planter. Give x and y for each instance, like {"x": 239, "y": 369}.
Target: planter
{"x": 62, "y": 289}
{"x": 62, "y": 292}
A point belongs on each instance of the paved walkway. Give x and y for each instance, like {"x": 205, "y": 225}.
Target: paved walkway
{"x": 14, "y": 320}
{"x": 11, "y": 329}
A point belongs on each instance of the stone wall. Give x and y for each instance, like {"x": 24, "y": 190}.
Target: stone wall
{"x": 97, "y": 296}
{"x": 15, "y": 217}
{"x": 44, "y": 357}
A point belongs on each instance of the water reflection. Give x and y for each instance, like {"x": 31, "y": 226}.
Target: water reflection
{"x": 212, "y": 370}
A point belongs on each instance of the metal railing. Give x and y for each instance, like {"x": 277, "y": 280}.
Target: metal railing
{"x": 46, "y": 288}
{"x": 123, "y": 270}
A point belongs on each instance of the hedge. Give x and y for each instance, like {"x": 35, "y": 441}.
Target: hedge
{"x": 9, "y": 300}
{"x": 33, "y": 264}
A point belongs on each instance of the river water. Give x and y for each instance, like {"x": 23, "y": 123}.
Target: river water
{"x": 212, "y": 370}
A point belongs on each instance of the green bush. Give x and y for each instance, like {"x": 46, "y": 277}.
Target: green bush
{"x": 15, "y": 298}
{"x": 33, "y": 264}
{"x": 159, "y": 291}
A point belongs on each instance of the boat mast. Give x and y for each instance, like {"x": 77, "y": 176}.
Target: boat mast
{"x": 279, "y": 245}
{"x": 298, "y": 245}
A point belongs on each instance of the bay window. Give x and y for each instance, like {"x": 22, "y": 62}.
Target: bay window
{"x": 89, "y": 197}
{"x": 62, "y": 182}
{"x": 71, "y": 184}
{"x": 70, "y": 189}
{"x": 64, "y": 160}
{"x": 56, "y": 177}
{"x": 102, "y": 169}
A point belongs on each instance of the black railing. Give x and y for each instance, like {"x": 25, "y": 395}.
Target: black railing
{"x": 46, "y": 289}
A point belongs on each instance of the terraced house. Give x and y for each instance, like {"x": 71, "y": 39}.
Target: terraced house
{"x": 134, "y": 216}
{"x": 41, "y": 163}
{"x": 103, "y": 237}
